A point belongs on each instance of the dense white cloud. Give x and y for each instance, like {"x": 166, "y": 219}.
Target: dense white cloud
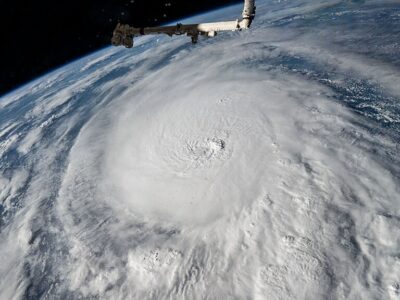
{"x": 229, "y": 169}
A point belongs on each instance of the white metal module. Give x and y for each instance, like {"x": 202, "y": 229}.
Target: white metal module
{"x": 123, "y": 34}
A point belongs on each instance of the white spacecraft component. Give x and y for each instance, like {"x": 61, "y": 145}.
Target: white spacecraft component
{"x": 123, "y": 34}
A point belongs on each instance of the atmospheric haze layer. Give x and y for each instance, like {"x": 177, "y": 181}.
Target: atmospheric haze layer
{"x": 261, "y": 164}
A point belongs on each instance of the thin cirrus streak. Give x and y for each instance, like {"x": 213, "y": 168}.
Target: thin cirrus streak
{"x": 261, "y": 164}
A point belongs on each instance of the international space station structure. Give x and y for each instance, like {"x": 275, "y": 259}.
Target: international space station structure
{"x": 123, "y": 34}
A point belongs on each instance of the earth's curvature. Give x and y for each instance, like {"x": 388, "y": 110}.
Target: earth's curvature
{"x": 261, "y": 164}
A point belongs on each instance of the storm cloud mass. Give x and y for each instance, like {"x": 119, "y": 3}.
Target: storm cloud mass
{"x": 258, "y": 164}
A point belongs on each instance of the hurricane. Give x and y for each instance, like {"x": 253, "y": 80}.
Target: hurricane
{"x": 261, "y": 164}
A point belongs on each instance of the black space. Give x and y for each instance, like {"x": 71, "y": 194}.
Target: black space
{"x": 39, "y": 36}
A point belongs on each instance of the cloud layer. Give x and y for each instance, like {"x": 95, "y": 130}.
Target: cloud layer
{"x": 259, "y": 164}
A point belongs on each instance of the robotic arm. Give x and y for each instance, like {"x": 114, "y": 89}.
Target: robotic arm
{"x": 123, "y": 34}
